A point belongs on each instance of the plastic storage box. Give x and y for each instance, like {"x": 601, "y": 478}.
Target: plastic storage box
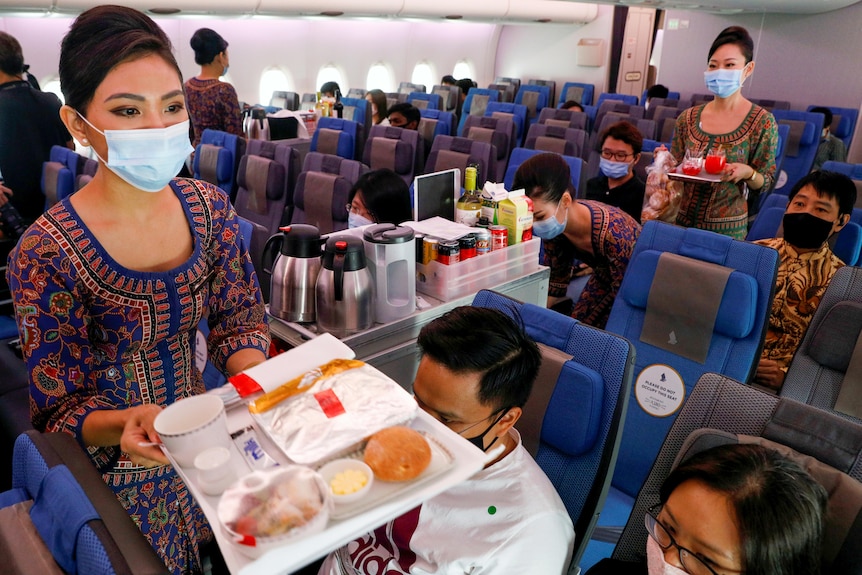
{"x": 447, "y": 282}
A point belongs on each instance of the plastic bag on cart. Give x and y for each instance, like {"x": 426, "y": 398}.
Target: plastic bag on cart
{"x": 662, "y": 195}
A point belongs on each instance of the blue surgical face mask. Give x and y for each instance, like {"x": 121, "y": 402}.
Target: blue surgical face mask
{"x": 355, "y": 220}
{"x": 614, "y": 169}
{"x": 225, "y": 71}
{"x": 549, "y": 228}
{"x": 723, "y": 82}
{"x": 147, "y": 159}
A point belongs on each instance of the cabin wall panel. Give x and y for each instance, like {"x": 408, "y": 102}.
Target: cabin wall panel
{"x": 549, "y": 52}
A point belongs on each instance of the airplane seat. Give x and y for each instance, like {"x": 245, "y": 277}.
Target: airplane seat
{"x": 697, "y": 99}
{"x": 449, "y": 152}
{"x": 534, "y": 97}
{"x": 625, "y": 98}
{"x": 397, "y": 149}
{"x": 516, "y": 82}
{"x": 219, "y": 162}
{"x": 852, "y": 171}
{"x": 357, "y": 110}
{"x": 521, "y": 155}
{"x": 767, "y": 223}
{"x": 285, "y": 100}
{"x": 335, "y": 136}
{"x": 69, "y": 158}
{"x": 435, "y": 123}
{"x": 801, "y": 145}
{"x": 723, "y": 411}
{"x": 618, "y": 107}
{"x": 727, "y": 315}
{"x": 571, "y": 423}
{"x": 661, "y": 103}
{"x": 475, "y": 104}
{"x": 843, "y": 123}
{"x": 425, "y": 101}
{"x": 449, "y": 95}
{"x": 643, "y": 162}
{"x": 358, "y": 93}
{"x": 516, "y": 112}
{"x": 393, "y": 98}
{"x": 322, "y": 190}
{"x": 665, "y": 121}
{"x": 61, "y": 517}
{"x": 552, "y": 89}
{"x": 824, "y": 371}
{"x": 507, "y": 92}
{"x": 672, "y": 98}
{"x": 577, "y": 91}
{"x": 564, "y": 141}
{"x": 87, "y": 173}
{"x": 57, "y": 182}
{"x": 308, "y": 100}
{"x": 564, "y": 118}
{"x": 265, "y": 183}
{"x": 500, "y": 133}
{"x": 254, "y": 237}
{"x": 409, "y": 88}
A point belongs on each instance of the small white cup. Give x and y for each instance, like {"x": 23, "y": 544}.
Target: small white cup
{"x": 215, "y": 473}
{"x": 192, "y": 425}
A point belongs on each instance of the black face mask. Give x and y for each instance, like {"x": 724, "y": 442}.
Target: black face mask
{"x": 806, "y": 231}
{"x": 479, "y": 440}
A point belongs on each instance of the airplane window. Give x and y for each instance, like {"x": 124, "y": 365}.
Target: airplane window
{"x": 331, "y": 73}
{"x": 380, "y": 76}
{"x": 53, "y": 86}
{"x": 424, "y": 74}
{"x": 270, "y": 81}
{"x": 463, "y": 69}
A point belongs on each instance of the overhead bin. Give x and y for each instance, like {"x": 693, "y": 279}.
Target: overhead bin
{"x": 520, "y": 11}
{"x": 378, "y": 8}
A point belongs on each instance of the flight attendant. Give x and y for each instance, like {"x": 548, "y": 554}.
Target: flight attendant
{"x": 744, "y": 131}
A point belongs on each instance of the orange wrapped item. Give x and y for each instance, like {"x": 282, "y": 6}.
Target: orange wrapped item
{"x": 662, "y": 195}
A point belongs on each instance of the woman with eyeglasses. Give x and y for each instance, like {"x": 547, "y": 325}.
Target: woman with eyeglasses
{"x": 618, "y": 185}
{"x": 733, "y": 509}
{"x": 745, "y": 132}
{"x": 599, "y": 235}
{"x": 379, "y": 197}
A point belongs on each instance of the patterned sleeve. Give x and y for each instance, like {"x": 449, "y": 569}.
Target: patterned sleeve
{"x": 53, "y": 322}
{"x": 764, "y": 146}
{"x": 559, "y": 254}
{"x": 232, "y": 114}
{"x": 236, "y": 313}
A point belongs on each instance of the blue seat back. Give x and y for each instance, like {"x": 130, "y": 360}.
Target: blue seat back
{"x": 57, "y": 182}
{"x": 843, "y": 123}
{"x": 72, "y": 160}
{"x": 580, "y": 428}
{"x": 475, "y": 104}
{"x": 852, "y": 171}
{"x": 670, "y": 96}
{"x": 535, "y": 98}
{"x": 357, "y": 110}
{"x": 801, "y": 144}
{"x": 768, "y": 219}
{"x": 425, "y": 101}
{"x": 521, "y": 155}
{"x": 783, "y": 134}
{"x": 336, "y": 136}
{"x": 627, "y": 98}
{"x": 517, "y": 112}
{"x": 227, "y": 163}
{"x": 577, "y": 91}
{"x": 736, "y": 340}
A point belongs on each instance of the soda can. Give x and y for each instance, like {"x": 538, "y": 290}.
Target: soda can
{"x": 420, "y": 247}
{"x": 448, "y": 253}
{"x": 483, "y": 241}
{"x": 468, "y": 247}
{"x": 429, "y": 250}
{"x": 499, "y": 237}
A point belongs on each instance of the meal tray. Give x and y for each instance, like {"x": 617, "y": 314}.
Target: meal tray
{"x": 702, "y": 177}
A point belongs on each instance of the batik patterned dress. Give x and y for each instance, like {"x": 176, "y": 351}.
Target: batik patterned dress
{"x": 722, "y": 207}
{"x": 99, "y": 336}
{"x": 613, "y": 237}
{"x": 212, "y": 104}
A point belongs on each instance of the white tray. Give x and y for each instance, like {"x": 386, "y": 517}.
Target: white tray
{"x": 454, "y": 459}
{"x": 702, "y": 177}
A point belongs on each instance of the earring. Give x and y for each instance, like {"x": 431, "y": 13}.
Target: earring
{"x": 84, "y": 141}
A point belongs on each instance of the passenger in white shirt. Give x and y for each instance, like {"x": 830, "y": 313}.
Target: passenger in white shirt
{"x": 476, "y": 373}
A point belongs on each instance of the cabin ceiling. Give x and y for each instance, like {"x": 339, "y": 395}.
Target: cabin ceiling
{"x": 497, "y": 11}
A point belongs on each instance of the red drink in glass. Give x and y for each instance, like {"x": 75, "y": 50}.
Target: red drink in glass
{"x": 715, "y": 163}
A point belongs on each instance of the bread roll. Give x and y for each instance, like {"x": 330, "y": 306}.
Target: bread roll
{"x": 397, "y": 454}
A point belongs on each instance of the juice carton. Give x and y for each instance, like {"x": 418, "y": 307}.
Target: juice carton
{"x": 492, "y": 195}
{"x": 514, "y": 212}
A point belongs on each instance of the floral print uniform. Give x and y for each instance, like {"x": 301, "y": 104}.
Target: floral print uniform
{"x": 722, "y": 207}
{"x": 614, "y": 234}
{"x": 212, "y": 104}
{"x": 97, "y": 336}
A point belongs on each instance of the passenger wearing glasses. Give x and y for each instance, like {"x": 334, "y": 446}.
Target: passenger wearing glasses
{"x": 733, "y": 509}
{"x": 618, "y": 185}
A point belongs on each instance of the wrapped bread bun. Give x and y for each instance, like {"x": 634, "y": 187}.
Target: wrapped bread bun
{"x": 397, "y": 454}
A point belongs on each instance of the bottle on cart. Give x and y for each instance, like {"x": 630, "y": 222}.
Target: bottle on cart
{"x": 338, "y": 107}
{"x": 469, "y": 205}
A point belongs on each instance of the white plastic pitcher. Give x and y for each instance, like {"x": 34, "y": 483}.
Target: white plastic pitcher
{"x": 391, "y": 254}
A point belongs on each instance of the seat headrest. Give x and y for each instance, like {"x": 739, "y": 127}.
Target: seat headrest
{"x": 835, "y": 336}
{"x": 390, "y": 153}
{"x": 801, "y": 134}
{"x": 736, "y": 313}
{"x": 257, "y": 174}
{"x": 574, "y": 415}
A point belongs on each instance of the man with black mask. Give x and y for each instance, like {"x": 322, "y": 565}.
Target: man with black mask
{"x": 476, "y": 373}
{"x": 819, "y": 205}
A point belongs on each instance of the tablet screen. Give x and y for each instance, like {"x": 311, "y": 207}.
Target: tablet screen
{"x": 436, "y": 194}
